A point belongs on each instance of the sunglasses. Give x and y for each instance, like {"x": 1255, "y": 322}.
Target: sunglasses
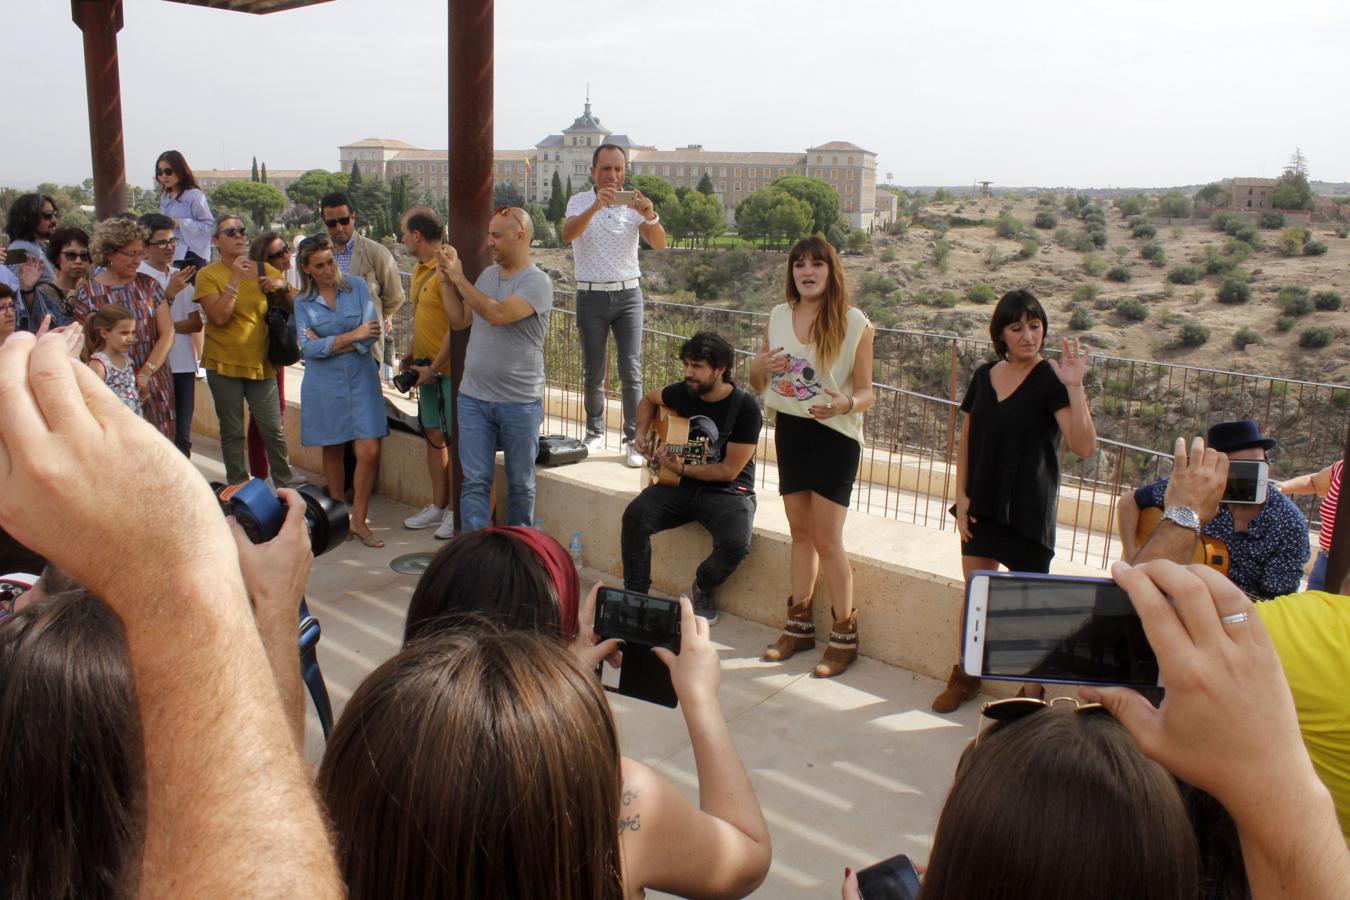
{"x": 235, "y": 231}
{"x": 166, "y": 243}
{"x": 132, "y": 254}
{"x": 72, "y": 255}
{"x": 1014, "y": 708}
{"x": 508, "y": 211}
{"x": 166, "y": 171}
{"x": 280, "y": 253}
{"x": 50, "y": 215}
{"x": 333, "y": 223}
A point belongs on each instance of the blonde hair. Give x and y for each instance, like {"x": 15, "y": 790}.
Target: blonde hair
{"x": 831, "y": 324}
{"x": 112, "y": 235}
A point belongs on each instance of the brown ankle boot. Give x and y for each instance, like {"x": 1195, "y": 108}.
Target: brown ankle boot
{"x": 842, "y": 649}
{"x": 798, "y": 634}
{"x": 960, "y": 688}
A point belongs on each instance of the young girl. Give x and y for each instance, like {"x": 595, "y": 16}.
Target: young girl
{"x": 109, "y": 336}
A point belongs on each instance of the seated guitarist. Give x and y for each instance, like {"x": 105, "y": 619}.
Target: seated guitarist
{"x": 719, "y": 493}
{"x": 1267, "y": 543}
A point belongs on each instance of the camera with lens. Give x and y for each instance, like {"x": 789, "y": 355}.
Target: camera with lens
{"x": 407, "y": 379}
{"x": 260, "y": 512}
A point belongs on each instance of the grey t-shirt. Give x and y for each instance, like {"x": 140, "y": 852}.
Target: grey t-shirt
{"x": 505, "y": 363}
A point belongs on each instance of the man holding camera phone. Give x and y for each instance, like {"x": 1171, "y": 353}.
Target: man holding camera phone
{"x": 1267, "y": 541}
{"x": 422, "y": 233}
{"x": 603, "y": 227}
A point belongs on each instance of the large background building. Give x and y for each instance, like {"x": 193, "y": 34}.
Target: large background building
{"x": 846, "y": 167}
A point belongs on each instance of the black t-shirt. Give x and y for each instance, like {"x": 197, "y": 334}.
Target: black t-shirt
{"x": 1012, "y": 473}
{"x": 745, "y": 430}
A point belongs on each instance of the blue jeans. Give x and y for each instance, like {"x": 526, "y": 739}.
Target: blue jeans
{"x": 483, "y": 427}
{"x": 1317, "y": 578}
{"x": 597, "y": 313}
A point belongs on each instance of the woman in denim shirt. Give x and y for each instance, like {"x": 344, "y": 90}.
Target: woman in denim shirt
{"x": 340, "y": 400}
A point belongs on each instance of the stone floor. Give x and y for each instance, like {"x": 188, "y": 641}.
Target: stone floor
{"x": 848, "y": 771}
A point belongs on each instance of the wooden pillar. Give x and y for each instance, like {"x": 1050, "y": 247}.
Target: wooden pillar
{"x": 99, "y": 21}
{"x": 470, "y": 189}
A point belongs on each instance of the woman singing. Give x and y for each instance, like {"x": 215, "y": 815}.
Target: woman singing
{"x": 1007, "y": 461}
{"x": 816, "y": 362}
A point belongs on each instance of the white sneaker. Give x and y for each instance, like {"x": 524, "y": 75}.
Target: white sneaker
{"x": 447, "y": 528}
{"x": 430, "y": 516}
{"x": 594, "y": 443}
{"x": 298, "y": 479}
{"x": 631, "y": 457}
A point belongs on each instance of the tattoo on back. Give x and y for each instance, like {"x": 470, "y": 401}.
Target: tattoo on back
{"x": 630, "y": 824}
{"x": 629, "y": 797}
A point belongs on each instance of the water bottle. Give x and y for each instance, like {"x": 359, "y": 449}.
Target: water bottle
{"x": 574, "y": 548}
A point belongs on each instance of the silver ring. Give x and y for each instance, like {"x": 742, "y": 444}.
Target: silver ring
{"x": 1234, "y": 618}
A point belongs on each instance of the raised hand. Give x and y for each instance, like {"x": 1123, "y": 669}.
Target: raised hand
{"x": 1071, "y": 367}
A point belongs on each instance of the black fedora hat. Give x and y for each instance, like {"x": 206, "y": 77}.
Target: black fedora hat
{"x": 1229, "y": 436}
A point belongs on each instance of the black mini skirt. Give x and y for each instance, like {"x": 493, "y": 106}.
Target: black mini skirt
{"x": 815, "y": 457}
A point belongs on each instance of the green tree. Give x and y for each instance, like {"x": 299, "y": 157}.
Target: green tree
{"x": 506, "y": 195}
{"x": 400, "y": 198}
{"x": 557, "y": 201}
{"x": 1213, "y": 196}
{"x": 310, "y": 187}
{"x": 704, "y": 215}
{"x": 1130, "y": 206}
{"x": 822, "y": 198}
{"x": 656, "y": 189}
{"x": 569, "y": 186}
{"x": 261, "y": 201}
{"x": 262, "y": 174}
{"x": 1292, "y": 192}
{"x": 254, "y": 176}
{"x": 705, "y": 185}
{"x": 372, "y": 201}
{"x": 1175, "y": 205}
{"x": 772, "y": 215}
{"x": 542, "y": 231}
{"x": 354, "y": 178}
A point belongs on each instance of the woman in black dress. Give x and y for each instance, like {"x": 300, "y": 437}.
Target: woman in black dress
{"x": 1007, "y": 462}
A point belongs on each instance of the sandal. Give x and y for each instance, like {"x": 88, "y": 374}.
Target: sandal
{"x": 369, "y": 539}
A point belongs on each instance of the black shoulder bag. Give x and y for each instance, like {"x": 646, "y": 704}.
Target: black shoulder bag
{"x": 283, "y": 348}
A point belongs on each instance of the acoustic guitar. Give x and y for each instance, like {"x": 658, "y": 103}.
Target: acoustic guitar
{"x": 1210, "y": 551}
{"x": 670, "y": 437}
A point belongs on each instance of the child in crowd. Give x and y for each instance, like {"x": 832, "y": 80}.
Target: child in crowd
{"x": 108, "y": 338}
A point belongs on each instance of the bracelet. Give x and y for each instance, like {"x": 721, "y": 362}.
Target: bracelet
{"x": 851, "y": 401}
{"x": 655, "y": 220}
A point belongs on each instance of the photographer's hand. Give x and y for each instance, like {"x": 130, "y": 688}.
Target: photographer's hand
{"x": 1228, "y": 726}
{"x": 275, "y": 574}
{"x": 587, "y": 647}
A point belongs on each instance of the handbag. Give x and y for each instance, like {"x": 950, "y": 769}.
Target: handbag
{"x": 283, "y": 349}
{"x": 559, "y": 450}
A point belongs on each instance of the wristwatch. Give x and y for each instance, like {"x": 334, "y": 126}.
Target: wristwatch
{"x": 653, "y": 220}
{"x": 1183, "y": 516}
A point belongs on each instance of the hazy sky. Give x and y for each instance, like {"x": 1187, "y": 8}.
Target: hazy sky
{"x": 1054, "y": 92}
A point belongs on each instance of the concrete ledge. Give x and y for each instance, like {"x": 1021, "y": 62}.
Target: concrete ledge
{"x": 908, "y": 585}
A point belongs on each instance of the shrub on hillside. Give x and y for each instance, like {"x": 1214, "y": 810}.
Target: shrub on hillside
{"x": 1030, "y": 247}
{"x": 888, "y": 255}
{"x": 1081, "y": 319}
{"x": 1244, "y": 336}
{"x": 1086, "y": 293}
{"x": 1007, "y": 226}
{"x": 980, "y": 292}
{"x": 1285, "y": 323}
{"x": 1045, "y": 219}
{"x": 1183, "y": 274}
{"x": 1143, "y": 229}
{"x": 1326, "y": 300}
{"x": 1314, "y": 248}
{"x": 1248, "y": 234}
{"x": 1097, "y": 234}
{"x": 877, "y": 283}
{"x": 1094, "y": 265}
{"x": 1121, "y": 274}
{"x": 1151, "y": 250}
{"x": 1224, "y": 220}
{"x": 1132, "y": 309}
{"x": 941, "y": 249}
{"x": 1234, "y": 291}
{"x": 1291, "y": 242}
{"x": 1272, "y": 218}
{"x": 1294, "y": 300}
{"x": 1192, "y": 334}
{"x": 1315, "y": 338}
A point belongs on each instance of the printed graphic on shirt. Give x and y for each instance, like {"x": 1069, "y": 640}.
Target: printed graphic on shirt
{"x": 798, "y": 382}
{"x": 704, "y": 427}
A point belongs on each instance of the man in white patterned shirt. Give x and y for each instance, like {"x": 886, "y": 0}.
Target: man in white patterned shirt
{"x": 604, "y": 237}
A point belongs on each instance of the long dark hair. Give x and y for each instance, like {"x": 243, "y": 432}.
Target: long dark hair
{"x": 480, "y": 763}
{"x": 1061, "y": 805}
{"x": 24, "y": 214}
{"x": 186, "y": 179}
{"x": 73, "y": 774}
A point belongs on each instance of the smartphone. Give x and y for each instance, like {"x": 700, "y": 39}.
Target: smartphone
{"x": 16, "y": 257}
{"x": 623, "y": 198}
{"x": 643, "y": 623}
{"x": 891, "y": 879}
{"x": 1055, "y": 628}
{"x": 1247, "y": 480}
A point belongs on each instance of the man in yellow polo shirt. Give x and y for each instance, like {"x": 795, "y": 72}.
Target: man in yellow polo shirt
{"x": 1310, "y": 630}
{"x": 422, "y": 232}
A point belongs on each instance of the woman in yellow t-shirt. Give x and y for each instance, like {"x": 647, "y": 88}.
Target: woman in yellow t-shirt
{"x": 235, "y": 352}
{"x": 816, "y": 363}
